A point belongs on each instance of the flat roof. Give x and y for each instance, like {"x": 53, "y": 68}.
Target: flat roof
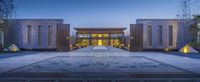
{"x": 96, "y": 29}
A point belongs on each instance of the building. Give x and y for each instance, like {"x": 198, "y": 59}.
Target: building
{"x": 53, "y": 34}
{"x": 156, "y": 34}
{"x": 39, "y": 34}
{"x": 100, "y": 36}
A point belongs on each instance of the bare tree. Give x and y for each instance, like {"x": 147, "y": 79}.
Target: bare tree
{"x": 6, "y": 11}
{"x": 185, "y": 17}
{"x": 185, "y": 9}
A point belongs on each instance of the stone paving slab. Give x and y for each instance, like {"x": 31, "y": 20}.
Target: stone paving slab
{"x": 92, "y": 49}
{"x": 133, "y": 64}
{"x": 111, "y": 63}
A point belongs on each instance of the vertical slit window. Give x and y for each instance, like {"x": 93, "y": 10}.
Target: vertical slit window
{"x": 29, "y": 34}
{"x": 170, "y": 35}
{"x": 160, "y": 38}
{"x": 50, "y": 32}
{"x": 149, "y": 29}
{"x": 39, "y": 35}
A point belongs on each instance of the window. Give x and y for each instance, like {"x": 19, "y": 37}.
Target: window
{"x": 199, "y": 38}
{"x": 170, "y": 35}
{"x": 149, "y": 36}
{"x": 94, "y": 35}
{"x": 39, "y": 35}
{"x": 29, "y": 34}
{"x": 50, "y": 32}
{"x": 160, "y": 39}
{"x": 1, "y": 39}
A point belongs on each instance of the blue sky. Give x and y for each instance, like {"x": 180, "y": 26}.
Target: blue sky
{"x": 97, "y": 13}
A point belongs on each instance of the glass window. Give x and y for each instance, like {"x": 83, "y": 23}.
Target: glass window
{"x": 1, "y": 39}
{"x": 170, "y": 35}
{"x": 160, "y": 39}
{"x": 99, "y": 35}
{"x": 39, "y": 35}
{"x": 149, "y": 36}
{"x": 94, "y": 35}
{"x": 29, "y": 34}
{"x": 199, "y": 38}
{"x": 105, "y": 35}
{"x": 50, "y": 32}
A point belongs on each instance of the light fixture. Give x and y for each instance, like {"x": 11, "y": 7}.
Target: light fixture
{"x": 186, "y": 49}
{"x": 14, "y": 49}
{"x": 166, "y": 49}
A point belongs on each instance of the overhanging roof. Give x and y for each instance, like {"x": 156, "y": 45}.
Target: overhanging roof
{"x": 100, "y": 29}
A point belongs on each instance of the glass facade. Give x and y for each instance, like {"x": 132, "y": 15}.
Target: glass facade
{"x": 99, "y": 39}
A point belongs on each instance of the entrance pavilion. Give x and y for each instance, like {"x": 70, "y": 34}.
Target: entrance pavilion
{"x": 100, "y": 36}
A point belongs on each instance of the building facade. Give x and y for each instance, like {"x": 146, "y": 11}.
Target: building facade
{"x": 162, "y": 33}
{"x": 99, "y": 36}
{"x": 36, "y": 34}
{"x": 53, "y": 34}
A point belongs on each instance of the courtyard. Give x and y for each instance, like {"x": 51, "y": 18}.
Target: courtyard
{"x": 98, "y": 62}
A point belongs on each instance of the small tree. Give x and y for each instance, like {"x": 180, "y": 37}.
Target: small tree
{"x": 6, "y": 11}
{"x": 194, "y": 28}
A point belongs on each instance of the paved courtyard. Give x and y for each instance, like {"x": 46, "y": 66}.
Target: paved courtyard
{"x": 99, "y": 62}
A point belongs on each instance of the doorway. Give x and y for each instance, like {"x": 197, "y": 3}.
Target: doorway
{"x": 100, "y": 42}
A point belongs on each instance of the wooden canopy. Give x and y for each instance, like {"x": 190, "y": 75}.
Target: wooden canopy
{"x": 99, "y": 30}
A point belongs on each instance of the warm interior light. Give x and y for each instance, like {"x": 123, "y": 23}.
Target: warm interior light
{"x": 100, "y": 42}
{"x": 166, "y": 49}
{"x": 14, "y": 49}
{"x": 186, "y": 49}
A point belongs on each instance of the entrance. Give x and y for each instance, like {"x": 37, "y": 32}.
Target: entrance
{"x": 100, "y": 42}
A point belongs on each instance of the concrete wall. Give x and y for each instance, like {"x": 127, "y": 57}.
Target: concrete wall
{"x": 18, "y": 31}
{"x": 178, "y": 33}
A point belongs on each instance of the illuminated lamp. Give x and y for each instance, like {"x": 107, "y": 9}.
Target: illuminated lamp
{"x": 166, "y": 49}
{"x": 186, "y": 49}
{"x": 14, "y": 49}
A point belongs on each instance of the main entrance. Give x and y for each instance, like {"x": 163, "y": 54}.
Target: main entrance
{"x": 100, "y": 42}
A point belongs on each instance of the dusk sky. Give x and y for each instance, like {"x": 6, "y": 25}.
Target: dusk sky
{"x": 97, "y": 13}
